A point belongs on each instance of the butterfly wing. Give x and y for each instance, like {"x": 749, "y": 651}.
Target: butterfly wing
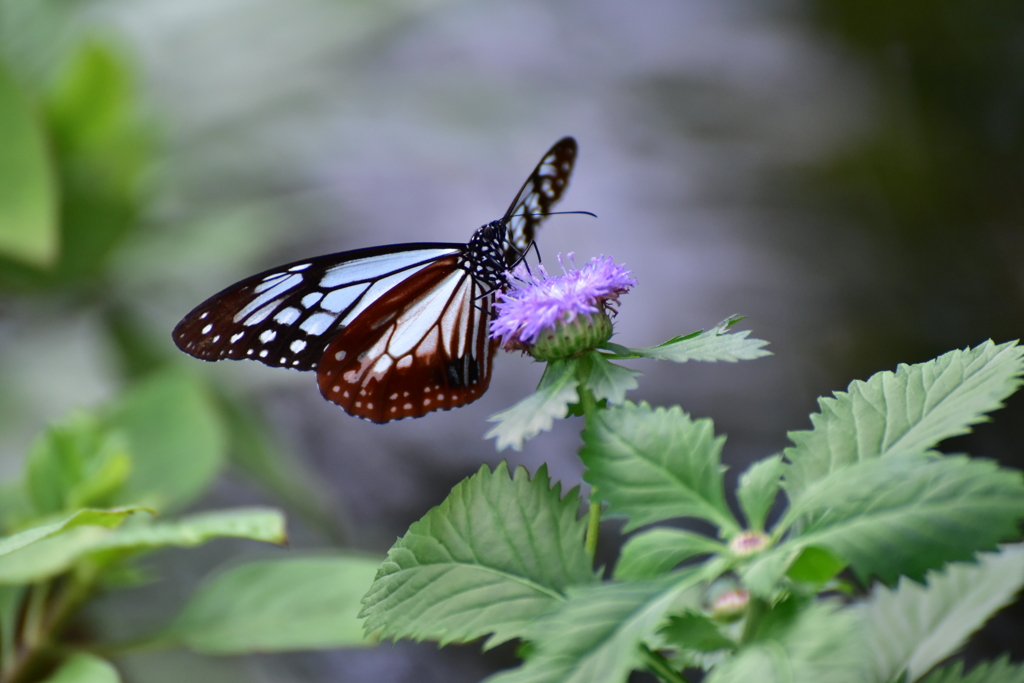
{"x": 538, "y": 194}
{"x": 286, "y": 316}
{"x": 423, "y": 347}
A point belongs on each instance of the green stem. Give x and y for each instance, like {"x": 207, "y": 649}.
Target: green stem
{"x": 756, "y": 610}
{"x": 593, "y": 525}
{"x": 660, "y": 667}
{"x": 589, "y": 406}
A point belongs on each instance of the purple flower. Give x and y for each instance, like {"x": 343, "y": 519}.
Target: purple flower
{"x": 542, "y": 302}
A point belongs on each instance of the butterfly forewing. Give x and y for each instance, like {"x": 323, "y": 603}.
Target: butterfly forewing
{"x": 286, "y": 316}
{"x": 539, "y": 193}
{"x": 405, "y": 357}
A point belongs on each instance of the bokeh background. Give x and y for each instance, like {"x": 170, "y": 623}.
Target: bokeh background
{"x": 846, "y": 173}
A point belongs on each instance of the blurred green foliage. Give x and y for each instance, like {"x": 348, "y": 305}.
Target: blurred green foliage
{"x": 75, "y": 152}
{"x": 99, "y": 149}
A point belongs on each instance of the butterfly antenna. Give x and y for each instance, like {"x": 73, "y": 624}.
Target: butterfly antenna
{"x": 554, "y": 213}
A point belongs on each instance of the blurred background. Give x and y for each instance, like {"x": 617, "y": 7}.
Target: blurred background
{"x": 846, "y": 173}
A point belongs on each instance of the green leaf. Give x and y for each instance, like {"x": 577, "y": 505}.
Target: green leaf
{"x": 999, "y": 671}
{"x": 177, "y": 440}
{"x": 596, "y": 636}
{"x": 763, "y": 576}
{"x": 815, "y": 566}
{"x": 913, "y": 627}
{"x": 106, "y": 518}
{"x": 903, "y": 515}
{"x": 28, "y": 185}
{"x": 694, "y": 631}
{"x": 656, "y": 552}
{"x": 908, "y": 411}
{"x": 257, "y": 524}
{"x": 817, "y": 644}
{"x": 57, "y": 554}
{"x": 606, "y": 380}
{"x": 758, "y": 488}
{"x": 84, "y": 668}
{"x": 497, "y": 553}
{"x": 716, "y": 344}
{"x": 537, "y": 412}
{"x": 49, "y": 549}
{"x": 652, "y": 465}
{"x": 79, "y": 463}
{"x": 277, "y": 605}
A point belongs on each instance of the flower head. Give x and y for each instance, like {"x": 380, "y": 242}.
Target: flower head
{"x": 544, "y": 306}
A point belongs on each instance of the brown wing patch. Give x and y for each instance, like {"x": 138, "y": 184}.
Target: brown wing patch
{"x": 412, "y": 352}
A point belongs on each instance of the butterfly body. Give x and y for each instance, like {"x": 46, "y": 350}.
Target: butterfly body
{"x": 392, "y": 332}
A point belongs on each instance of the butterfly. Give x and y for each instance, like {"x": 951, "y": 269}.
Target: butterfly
{"x": 393, "y": 331}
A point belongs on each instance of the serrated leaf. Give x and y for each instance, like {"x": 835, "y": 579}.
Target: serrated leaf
{"x": 656, "y": 464}
{"x": 820, "y": 643}
{"x": 758, "y": 487}
{"x": 105, "y": 518}
{"x": 696, "y": 632}
{"x": 302, "y": 603}
{"x": 913, "y": 627}
{"x": 178, "y": 441}
{"x": 595, "y": 636}
{"x": 908, "y": 411}
{"x": 497, "y": 553}
{"x": 998, "y": 671}
{"x": 903, "y": 515}
{"x": 656, "y": 552}
{"x": 537, "y": 412}
{"x": 29, "y": 229}
{"x": 606, "y": 380}
{"x": 55, "y": 555}
{"x": 714, "y": 345}
{"x": 84, "y": 668}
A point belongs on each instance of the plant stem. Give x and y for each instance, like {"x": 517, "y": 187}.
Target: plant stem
{"x": 659, "y": 666}
{"x": 589, "y": 406}
{"x": 593, "y": 525}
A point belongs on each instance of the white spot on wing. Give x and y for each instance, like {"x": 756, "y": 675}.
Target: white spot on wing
{"x": 277, "y": 290}
{"x": 268, "y": 336}
{"x": 297, "y": 346}
{"x": 295, "y": 269}
{"x": 317, "y": 323}
{"x": 261, "y": 315}
{"x": 286, "y": 316}
{"x": 340, "y": 299}
{"x": 310, "y": 299}
{"x": 236, "y": 337}
{"x": 404, "y": 363}
{"x": 269, "y": 282}
{"x": 206, "y": 330}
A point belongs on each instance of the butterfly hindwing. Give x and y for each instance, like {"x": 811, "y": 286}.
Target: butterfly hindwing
{"x": 405, "y": 357}
{"x": 539, "y": 193}
{"x": 286, "y": 316}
